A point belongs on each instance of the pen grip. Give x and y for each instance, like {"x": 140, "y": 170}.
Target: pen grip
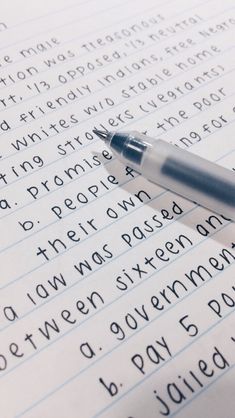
{"x": 191, "y": 176}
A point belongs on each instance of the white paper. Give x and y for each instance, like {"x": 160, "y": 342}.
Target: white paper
{"x": 117, "y": 296}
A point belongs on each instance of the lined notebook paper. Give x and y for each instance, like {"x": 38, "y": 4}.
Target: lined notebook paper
{"x": 117, "y": 296}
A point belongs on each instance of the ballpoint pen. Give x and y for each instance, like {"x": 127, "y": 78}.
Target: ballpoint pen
{"x": 180, "y": 171}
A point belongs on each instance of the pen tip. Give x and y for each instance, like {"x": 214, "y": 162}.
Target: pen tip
{"x": 101, "y": 134}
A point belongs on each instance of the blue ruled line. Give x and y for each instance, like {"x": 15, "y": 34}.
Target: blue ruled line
{"x": 127, "y": 339}
{"x": 203, "y": 390}
{"x": 161, "y": 367}
{"x": 85, "y": 174}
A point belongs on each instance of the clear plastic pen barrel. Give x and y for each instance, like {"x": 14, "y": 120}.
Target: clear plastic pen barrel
{"x": 182, "y": 172}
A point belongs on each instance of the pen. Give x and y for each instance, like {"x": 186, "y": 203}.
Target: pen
{"x": 180, "y": 171}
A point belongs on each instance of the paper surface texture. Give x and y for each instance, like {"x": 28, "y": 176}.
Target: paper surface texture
{"x": 117, "y": 296}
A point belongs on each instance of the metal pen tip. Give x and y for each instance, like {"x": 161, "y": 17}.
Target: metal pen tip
{"x": 101, "y": 134}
